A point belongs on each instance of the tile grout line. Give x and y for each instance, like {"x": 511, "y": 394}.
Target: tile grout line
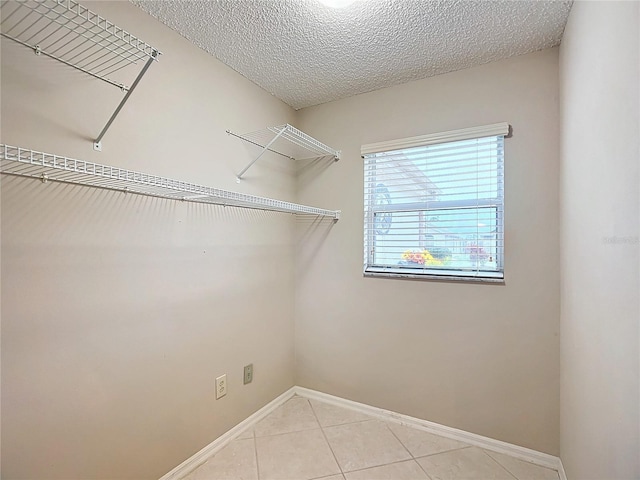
{"x": 373, "y": 419}
{"x": 407, "y": 449}
{"x": 287, "y": 433}
{"x": 255, "y": 450}
{"x": 325, "y": 438}
{"x": 390, "y": 463}
{"x": 401, "y": 442}
{"x": 444, "y": 451}
{"x": 423, "y": 469}
{"x": 327, "y": 476}
{"x": 339, "y": 474}
{"x": 415, "y": 458}
{"x": 499, "y": 464}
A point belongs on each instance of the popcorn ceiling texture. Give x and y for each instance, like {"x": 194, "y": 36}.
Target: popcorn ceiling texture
{"x": 306, "y": 53}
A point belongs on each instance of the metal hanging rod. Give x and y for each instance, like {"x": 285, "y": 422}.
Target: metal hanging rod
{"x": 48, "y": 167}
{"x": 67, "y": 32}
{"x": 287, "y": 141}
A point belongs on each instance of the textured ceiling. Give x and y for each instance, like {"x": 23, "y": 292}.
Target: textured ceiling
{"x": 306, "y": 53}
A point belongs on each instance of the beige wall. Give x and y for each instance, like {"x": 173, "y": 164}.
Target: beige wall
{"x": 600, "y": 320}
{"x": 118, "y": 311}
{"x": 483, "y": 358}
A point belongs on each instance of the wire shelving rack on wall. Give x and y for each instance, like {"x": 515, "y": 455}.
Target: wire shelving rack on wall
{"x": 66, "y": 31}
{"x": 287, "y": 141}
{"x": 48, "y": 167}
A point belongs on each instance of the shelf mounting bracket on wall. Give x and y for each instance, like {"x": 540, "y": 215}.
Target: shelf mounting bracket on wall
{"x": 97, "y": 143}
{"x": 287, "y": 141}
{"x": 264, "y": 149}
{"x": 66, "y": 31}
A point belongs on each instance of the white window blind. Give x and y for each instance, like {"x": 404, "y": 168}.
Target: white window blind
{"x": 434, "y": 205}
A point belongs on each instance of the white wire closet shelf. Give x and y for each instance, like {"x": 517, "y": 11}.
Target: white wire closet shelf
{"x": 67, "y": 32}
{"x": 287, "y": 141}
{"x": 48, "y": 167}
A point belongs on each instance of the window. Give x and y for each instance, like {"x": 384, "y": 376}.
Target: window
{"x": 434, "y": 205}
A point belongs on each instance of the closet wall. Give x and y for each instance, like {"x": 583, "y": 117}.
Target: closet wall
{"x": 483, "y": 358}
{"x": 118, "y": 310}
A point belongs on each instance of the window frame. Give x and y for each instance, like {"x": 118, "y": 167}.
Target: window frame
{"x": 371, "y": 210}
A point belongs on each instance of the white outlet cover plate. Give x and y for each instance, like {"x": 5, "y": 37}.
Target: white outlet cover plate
{"x": 221, "y": 386}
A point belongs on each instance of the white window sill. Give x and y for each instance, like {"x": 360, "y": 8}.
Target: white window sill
{"x": 436, "y": 275}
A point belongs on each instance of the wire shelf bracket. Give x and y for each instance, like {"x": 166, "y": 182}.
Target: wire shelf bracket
{"x": 287, "y": 141}
{"x": 65, "y": 31}
{"x": 48, "y": 167}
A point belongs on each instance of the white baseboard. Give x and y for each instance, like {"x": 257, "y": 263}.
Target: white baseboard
{"x": 193, "y": 462}
{"x": 522, "y": 453}
{"x": 561, "y": 472}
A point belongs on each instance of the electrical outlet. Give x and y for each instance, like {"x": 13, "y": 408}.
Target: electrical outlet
{"x": 221, "y": 386}
{"x": 248, "y": 373}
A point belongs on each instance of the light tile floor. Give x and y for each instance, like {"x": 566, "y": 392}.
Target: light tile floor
{"x": 307, "y": 439}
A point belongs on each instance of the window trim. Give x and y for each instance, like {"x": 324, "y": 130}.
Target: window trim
{"x": 390, "y": 272}
{"x": 497, "y": 129}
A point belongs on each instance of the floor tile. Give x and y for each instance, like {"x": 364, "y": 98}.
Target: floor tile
{"x": 524, "y": 470}
{"x": 295, "y": 415}
{"x": 236, "y": 461}
{"x": 364, "y": 444}
{"x": 246, "y": 434}
{"x": 421, "y": 443}
{"x": 289, "y": 444}
{"x": 329, "y": 415}
{"x": 468, "y": 463}
{"x": 299, "y": 455}
{"x": 408, "y": 470}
